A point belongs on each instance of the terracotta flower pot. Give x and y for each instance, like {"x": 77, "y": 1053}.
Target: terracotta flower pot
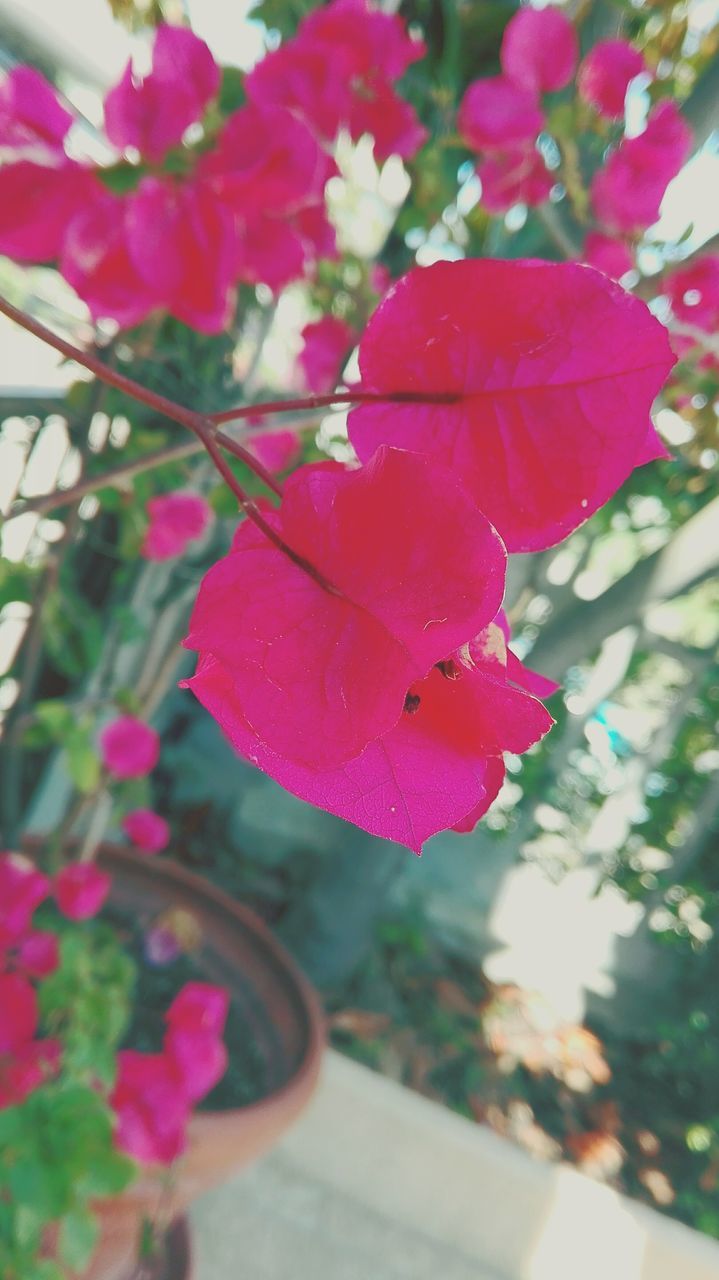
{"x": 283, "y": 1017}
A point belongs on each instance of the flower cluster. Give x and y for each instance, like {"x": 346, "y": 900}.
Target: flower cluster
{"x": 155, "y": 1093}
{"x": 190, "y": 222}
{"x": 29, "y": 954}
{"x": 501, "y": 116}
{"x": 339, "y": 72}
{"x": 361, "y": 659}
{"x": 129, "y": 748}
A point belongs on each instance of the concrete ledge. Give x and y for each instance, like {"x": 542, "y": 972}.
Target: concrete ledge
{"x": 381, "y": 1170}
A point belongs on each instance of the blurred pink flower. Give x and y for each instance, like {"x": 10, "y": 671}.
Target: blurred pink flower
{"x": 176, "y": 519}
{"x": 38, "y": 954}
{"x": 151, "y": 1106}
{"x": 33, "y": 122}
{"x": 495, "y": 114}
{"x": 151, "y": 113}
{"x": 694, "y": 292}
{"x": 129, "y": 747}
{"x": 327, "y": 344}
{"x": 81, "y": 890}
{"x": 607, "y": 254}
{"x": 539, "y": 49}
{"x": 199, "y": 1007}
{"x": 22, "y": 889}
{"x": 19, "y": 1006}
{"x": 147, "y": 830}
{"x": 276, "y": 450}
{"x": 605, "y": 75}
{"x": 628, "y": 191}
{"x": 29, "y": 1064}
{"x": 514, "y": 177}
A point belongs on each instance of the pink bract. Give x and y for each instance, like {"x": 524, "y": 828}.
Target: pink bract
{"x": 607, "y": 254}
{"x": 33, "y": 122}
{"x": 200, "y": 1007}
{"x": 389, "y": 119}
{"x": 81, "y": 890}
{"x": 147, "y": 830}
{"x": 627, "y": 193}
{"x": 366, "y": 40}
{"x": 129, "y": 747}
{"x": 327, "y": 344}
{"x": 22, "y": 889}
{"x": 37, "y": 202}
{"x": 152, "y": 113}
{"x": 38, "y": 953}
{"x": 496, "y": 114}
{"x": 19, "y": 1008}
{"x": 95, "y": 260}
{"x": 199, "y": 1059}
{"x": 694, "y": 292}
{"x": 605, "y": 75}
{"x": 176, "y": 519}
{"x": 29, "y": 1065}
{"x": 514, "y": 177}
{"x": 543, "y": 422}
{"x": 320, "y": 673}
{"x": 151, "y": 1106}
{"x": 539, "y": 49}
{"x": 436, "y": 766}
{"x": 182, "y": 245}
{"x": 276, "y": 450}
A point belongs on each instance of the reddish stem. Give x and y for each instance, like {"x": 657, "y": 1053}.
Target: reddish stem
{"x": 335, "y": 397}
{"x": 202, "y": 427}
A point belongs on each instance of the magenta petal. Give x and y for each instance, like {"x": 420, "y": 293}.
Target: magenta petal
{"x": 540, "y": 49}
{"x": 606, "y": 73}
{"x": 327, "y": 344}
{"x": 96, "y": 262}
{"x": 547, "y": 422}
{"x": 199, "y": 1007}
{"x": 36, "y": 204}
{"x": 493, "y": 779}
{"x": 496, "y": 114}
{"x": 81, "y": 890}
{"x": 32, "y": 119}
{"x": 425, "y": 775}
{"x": 179, "y": 57}
{"x": 539, "y": 685}
{"x": 403, "y": 539}
{"x": 18, "y": 1012}
{"x": 319, "y": 676}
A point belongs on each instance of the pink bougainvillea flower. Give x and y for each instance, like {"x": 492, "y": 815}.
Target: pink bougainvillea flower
{"x": 176, "y": 519}
{"x": 81, "y": 890}
{"x": 151, "y": 113}
{"x": 605, "y": 75}
{"x": 151, "y": 1106}
{"x": 607, "y": 254}
{"x": 628, "y": 191}
{"x": 38, "y": 953}
{"x": 543, "y": 422}
{"x": 339, "y": 71}
{"x": 36, "y": 204}
{"x": 182, "y": 244}
{"x": 514, "y": 177}
{"x": 266, "y": 159}
{"x": 147, "y": 830}
{"x": 327, "y": 344}
{"x": 364, "y": 39}
{"x": 96, "y": 262}
{"x": 539, "y": 49}
{"x": 389, "y": 119}
{"x": 276, "y": 450}
{"x": 199, "y": 1007}
{"x": 22, "y": 889}
{"x": 29, "y": 1065}
{"x": 18, "y": 1011}
{"x": 199, "y": 1059}
{"x": 33, "y": 122}
{"x": 541, "y": 686}
{"x": 320, "y": 670}
{"x": 435, "y": 767}
{"x": 496, "y": 114}
{"x": 694, "y": 292}
{"x": 129, "y": 747}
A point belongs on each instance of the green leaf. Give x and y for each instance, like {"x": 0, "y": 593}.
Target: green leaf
{"x": 110, "y": 1173}
{"x": 77, "y": 1238}
{"x": 83, "y": 762}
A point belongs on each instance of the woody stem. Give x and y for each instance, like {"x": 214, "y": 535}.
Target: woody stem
{"x": 335, "y": 397}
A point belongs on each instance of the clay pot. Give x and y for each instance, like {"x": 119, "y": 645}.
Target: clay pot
{"x": 283, "y": 1017}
